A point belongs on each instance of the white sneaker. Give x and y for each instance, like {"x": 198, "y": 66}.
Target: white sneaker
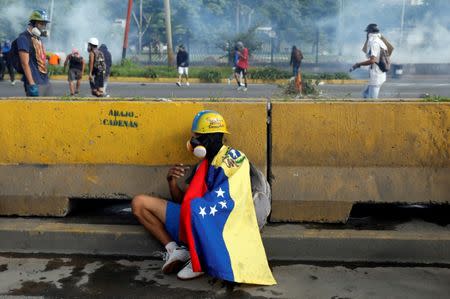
{"x": 188, "y": 273}
{"x": 175, "y": 260}
{"x": 178, "y": 84}
{"x": 244, "y": 88}
{"x": 187, "y": 84}
{"x": 13, "y": 82}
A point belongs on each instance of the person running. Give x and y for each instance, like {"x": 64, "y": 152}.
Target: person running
{"x": 32, "y": 55}
{"x": 97, "y": 68}
{"x": 376, "y": 76}
{"x": 241, "y": 66}
{"x": 76, "y": 70}
{"x": 182, "y": 65}
{"x": 205, "y": 227}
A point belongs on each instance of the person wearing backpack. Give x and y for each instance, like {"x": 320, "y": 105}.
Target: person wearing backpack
{"x": 76, "y": 70}
{"x": 7, "y": 65}
{"x": 375, "y": 49}
{"x": 28, "y": 56}
{"x": 108, "y": 62}
{"x": 97, "y": 68}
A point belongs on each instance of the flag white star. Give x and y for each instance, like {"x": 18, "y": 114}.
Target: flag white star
{"x": 202, "y": 211}
{"x": 220, "y": 192}
{"x": 223, "y": 204}
{"x": 213, "y": 211}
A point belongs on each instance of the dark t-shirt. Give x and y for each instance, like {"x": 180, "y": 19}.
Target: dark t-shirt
{"x": 24, "y": 43}
{"x": 75, "y": 62}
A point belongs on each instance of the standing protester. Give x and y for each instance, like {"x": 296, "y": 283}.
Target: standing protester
{"x": 241, "y": 66}
{"x": 372, "y": 48}
{"x": 108, "y": 61}
{"x": 97, "y": 68}
{"x": 32, "y": 58}
{"x": 214, "y": 218}
{"x": 235, "y": 60}
{"x": 76, "y": 70}
{"x": 182, "y": 65}
{"x": 296, "y": 61}
{"x": 6, "y": 63}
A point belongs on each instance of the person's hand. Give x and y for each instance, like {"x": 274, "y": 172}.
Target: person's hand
{"x": 176, "y": 172}
{"x": 33, "y": 90}
{"x": 355, "y": 66}
{"x": 91, "y": 78}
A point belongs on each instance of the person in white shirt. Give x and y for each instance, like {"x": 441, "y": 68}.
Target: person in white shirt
{"x": 376, "y": 76}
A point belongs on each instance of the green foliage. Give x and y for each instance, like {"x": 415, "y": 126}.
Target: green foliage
{"x": 435, "y": 98}
{"x": 210, "y": 76}
{"x": 269, "y": 73}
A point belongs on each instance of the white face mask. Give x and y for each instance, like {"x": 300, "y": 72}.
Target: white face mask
{"x": 199, "y": 151}
{"x": 36, "y": 32}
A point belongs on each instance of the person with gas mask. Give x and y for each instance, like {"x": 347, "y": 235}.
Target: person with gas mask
{"x": 203, "y": 227}
{"x": 32, "y": 55}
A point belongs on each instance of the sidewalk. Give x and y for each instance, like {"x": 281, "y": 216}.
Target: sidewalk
{"x": 411, "y": 242}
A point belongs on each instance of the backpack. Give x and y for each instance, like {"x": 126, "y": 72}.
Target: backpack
{"x": 99, "y": 61}
{"x": 385, "y": 61}
{"x": 13, "y": 56}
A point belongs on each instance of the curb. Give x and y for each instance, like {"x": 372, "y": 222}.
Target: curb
{"x": 415, "y": 242}
{"x": 196, "y": 80}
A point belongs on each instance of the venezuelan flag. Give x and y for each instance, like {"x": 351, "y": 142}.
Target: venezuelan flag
{"x": 218, "y": 221}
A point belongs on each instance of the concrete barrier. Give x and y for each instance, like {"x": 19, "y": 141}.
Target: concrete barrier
{"x": 328, "y": 156}
{"x": 55, "y": 149}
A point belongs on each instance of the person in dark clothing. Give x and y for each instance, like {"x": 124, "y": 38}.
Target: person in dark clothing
{"x": 6, "y": 63}
{"x": 182, "y": 65}
{"x": 296, "y": 61}
{"x": 32, "y": 55}
{"x": 97, "y": 67}
{"x": 108, "y": 61}
{"x": 76, "y": 70}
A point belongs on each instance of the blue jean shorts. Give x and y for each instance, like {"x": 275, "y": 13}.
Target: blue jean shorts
{"x": 173, "y": 220}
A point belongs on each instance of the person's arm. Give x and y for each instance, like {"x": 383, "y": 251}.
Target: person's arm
{"x": 370, "y": 61}
{"x": 66, "y": 61}
{"x": 24, "y": 61}
{"x": 82, "y": 67}
{"x": 176, "y": 172}
{"x": 91, "y": 65}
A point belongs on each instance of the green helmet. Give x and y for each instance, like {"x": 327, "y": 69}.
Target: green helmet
{"x": 39, "y": 15}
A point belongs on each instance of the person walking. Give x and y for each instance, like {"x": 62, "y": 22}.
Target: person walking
{"x": 6, "y": 62}
{"x": 108, "y": 61}
{"x": 182, "y": 65}
{"x": 241, "y": 66}
{"x": 296, "y": 61}
{"x": 97, "y": 68}
{"x": 32, "y": 55}
{"x": 76, "y": 70}
{"x": 373, "y": 47}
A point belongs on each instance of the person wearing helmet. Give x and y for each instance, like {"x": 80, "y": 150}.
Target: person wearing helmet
{"x": 372, "y": 49}
{"x": 167, "y": 220}
{"x": 76, "y": 70}
{"x": 32, "y": 55}
{"x": 97, "y": 68}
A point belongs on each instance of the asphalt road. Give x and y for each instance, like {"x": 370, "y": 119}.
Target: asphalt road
{"x": 115, "y": 277}
{"x": 403, "y": 88}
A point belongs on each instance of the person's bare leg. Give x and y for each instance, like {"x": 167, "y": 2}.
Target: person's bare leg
{"x": 151, "y": 213}
{"x": 78, "y": 86}
{"x": 71, "y": 88}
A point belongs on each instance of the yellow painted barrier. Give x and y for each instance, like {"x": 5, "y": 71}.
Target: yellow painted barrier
{"x": 327, "y": 156}
{"x": 119, "y": 132}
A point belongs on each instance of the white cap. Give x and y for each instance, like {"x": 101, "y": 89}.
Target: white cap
{"x": 93, "y": 41}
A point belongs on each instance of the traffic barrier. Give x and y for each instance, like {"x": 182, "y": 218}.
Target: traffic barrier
{"x": 54, "y": 149}
{"x": 328, "y": 156}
